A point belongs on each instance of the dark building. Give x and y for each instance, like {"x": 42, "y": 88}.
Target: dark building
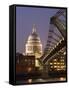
{"x": 25, "y": 63}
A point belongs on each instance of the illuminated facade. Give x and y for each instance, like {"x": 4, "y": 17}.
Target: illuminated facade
{"x": 33, "y": 44}
{"x": 57, "y": 65}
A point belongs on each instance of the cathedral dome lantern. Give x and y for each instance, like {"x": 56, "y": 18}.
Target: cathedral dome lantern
{"x": 33, "y": 44}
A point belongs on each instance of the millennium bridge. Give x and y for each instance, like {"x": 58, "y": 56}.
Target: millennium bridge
{"x": 54, "y": 56}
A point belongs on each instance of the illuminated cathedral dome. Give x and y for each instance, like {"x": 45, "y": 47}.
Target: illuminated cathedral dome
{"x": 33, "y": 44}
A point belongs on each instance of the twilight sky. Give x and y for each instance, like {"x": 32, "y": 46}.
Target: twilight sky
{"x": 25, "y": 18}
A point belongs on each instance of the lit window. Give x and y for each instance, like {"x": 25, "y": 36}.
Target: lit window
{"x": 30, "y": 80}
{"x": 62, "y": 67}
{"x": 62, "y": 57}
{"x": 29, "y": 69}
{"x": 58, "y": 69}
{"x": 64, "y": 53}
{"x": 55, "y": 66}
{"x": 55, "y": 59}
{"x": 62, "y": 63}
{"x": 62, "y": 60}
{"x": 51, "y": 66}
{"x": 58, "y": 66}
{"x": 51, "y": 63}
{"x": 55, "y": 63}
{"x": 58, "y": 63}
